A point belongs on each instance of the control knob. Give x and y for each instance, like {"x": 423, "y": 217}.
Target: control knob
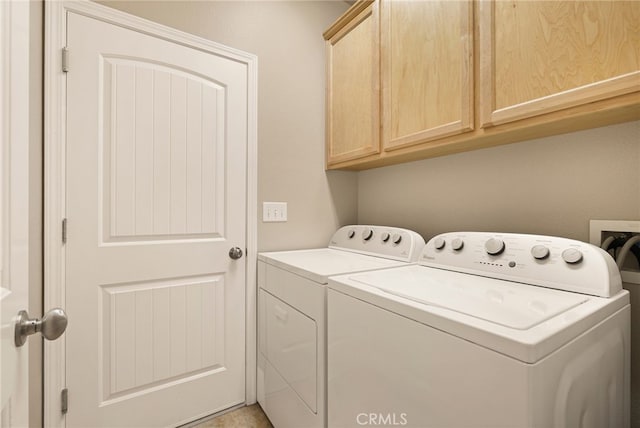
{"x": 539, "y": 252}
{"x": 397, "y": 238}
{"x": 367, "y": 234}
{"x": 439, "y": 243}
{"x": 351, "y": 233}
{"x": 457, "y": 244}
{"x": 494, "y": 246}
{"x": 385, "y": 236}
{"x": 572, "y": 256}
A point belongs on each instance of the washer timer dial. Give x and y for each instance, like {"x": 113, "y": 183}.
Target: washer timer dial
{"x": 457, "y": 244}
{"x": 572, "y": 256}
{"x": 367, "y": 234}
{"x": 539, "y": 252}
{"x": 494, "y": 246}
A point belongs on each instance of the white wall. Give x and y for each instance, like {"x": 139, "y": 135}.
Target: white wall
{"x": 287, "y": 38}
{"x": 550, "y": 186}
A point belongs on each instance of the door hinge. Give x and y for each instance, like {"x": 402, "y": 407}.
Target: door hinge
{"x": 65, "y": 59}
{"x": 64, "y": 230}
{"x": 64, "y": 401}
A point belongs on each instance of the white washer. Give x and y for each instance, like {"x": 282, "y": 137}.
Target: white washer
{"x": 292, "y": 315}
{"x": 488, "y": 330}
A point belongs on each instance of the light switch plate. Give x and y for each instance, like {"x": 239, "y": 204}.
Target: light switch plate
{"x": 274, "y": 211}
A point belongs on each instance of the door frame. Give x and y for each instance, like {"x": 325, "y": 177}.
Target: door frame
{"x": 55, "y": 183}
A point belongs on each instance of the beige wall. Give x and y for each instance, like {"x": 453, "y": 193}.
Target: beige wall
{"x": 548, "y": 186}
{"x": 287, "y": 38}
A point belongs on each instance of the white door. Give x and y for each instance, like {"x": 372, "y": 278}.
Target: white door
{"x": 155, "y": 199}
{"x": 14, "y": 203}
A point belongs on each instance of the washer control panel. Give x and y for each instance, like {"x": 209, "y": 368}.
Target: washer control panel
{"x": 547, "y": 261}
{"x": 383, "y": 241}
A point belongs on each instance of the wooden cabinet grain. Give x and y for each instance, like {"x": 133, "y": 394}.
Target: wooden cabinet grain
{"x": 544, "y": 56}
{"x": 427, "y": 70}
{"x": 353, "y": 88}
{"x": 431, "y": 78}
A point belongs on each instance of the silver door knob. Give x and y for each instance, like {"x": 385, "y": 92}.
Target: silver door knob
{"x": 235, "y": 253}
{"x": 51, "y": 325}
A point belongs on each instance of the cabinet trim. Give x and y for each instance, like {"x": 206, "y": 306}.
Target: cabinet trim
{"x": 609, "y": 88}
{"x": 441, "y": 131}
{"x": 346, "y": 18}
{"x": 586, "y": 116}
{"x": 490, "y": 116}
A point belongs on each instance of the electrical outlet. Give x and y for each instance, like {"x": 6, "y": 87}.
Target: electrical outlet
{"x": 274, "y": 211}
{"x": 599, "y": 230}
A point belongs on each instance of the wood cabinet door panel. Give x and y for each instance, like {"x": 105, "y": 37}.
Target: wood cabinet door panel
{"x": 427, "y": 70}
{"x": 353, "y": 100}
{"x": 539, "y": 57}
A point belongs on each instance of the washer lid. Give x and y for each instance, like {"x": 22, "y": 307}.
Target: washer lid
{"x": 493, "y": 313}
{"x": 506, "y": 303}
{"x": 318, "y": 264}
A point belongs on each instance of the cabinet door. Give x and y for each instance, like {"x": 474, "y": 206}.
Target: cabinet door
{"x": 427, "y": 70}
{"x": 353, "y": 94}
{"x": 543, "y": 56}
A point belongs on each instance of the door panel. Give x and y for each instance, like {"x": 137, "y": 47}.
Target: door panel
{"x": 156, "y": 197}
{"x": 16, "y": 141}
{"x": 159, "y": 330}
{"x": 163, "y": 152}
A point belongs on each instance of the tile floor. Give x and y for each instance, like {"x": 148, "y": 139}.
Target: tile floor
{"x": 244, "y": 417}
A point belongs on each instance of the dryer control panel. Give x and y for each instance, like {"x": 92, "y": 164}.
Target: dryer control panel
{"x": 382, "y": 241}
{"x": 547, "y": 261}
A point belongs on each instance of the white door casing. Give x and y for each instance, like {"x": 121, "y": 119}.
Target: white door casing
{"x": 158, "y": 177}
{"x": 14, "y": 204}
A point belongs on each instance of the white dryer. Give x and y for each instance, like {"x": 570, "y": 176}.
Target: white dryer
{"x": 488, "y": 330}
{"x": 292, "y": 315}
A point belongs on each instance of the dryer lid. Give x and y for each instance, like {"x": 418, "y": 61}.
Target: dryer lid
{"x": 510, "y": 304}
{"x": 320, "y": 263}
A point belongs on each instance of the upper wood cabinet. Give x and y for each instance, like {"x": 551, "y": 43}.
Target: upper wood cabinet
{"x": 427, "y": 70}
{"x": 353, "y": 85}
{"x": 430, "y": 78}
{"x": 539, "y": 57}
